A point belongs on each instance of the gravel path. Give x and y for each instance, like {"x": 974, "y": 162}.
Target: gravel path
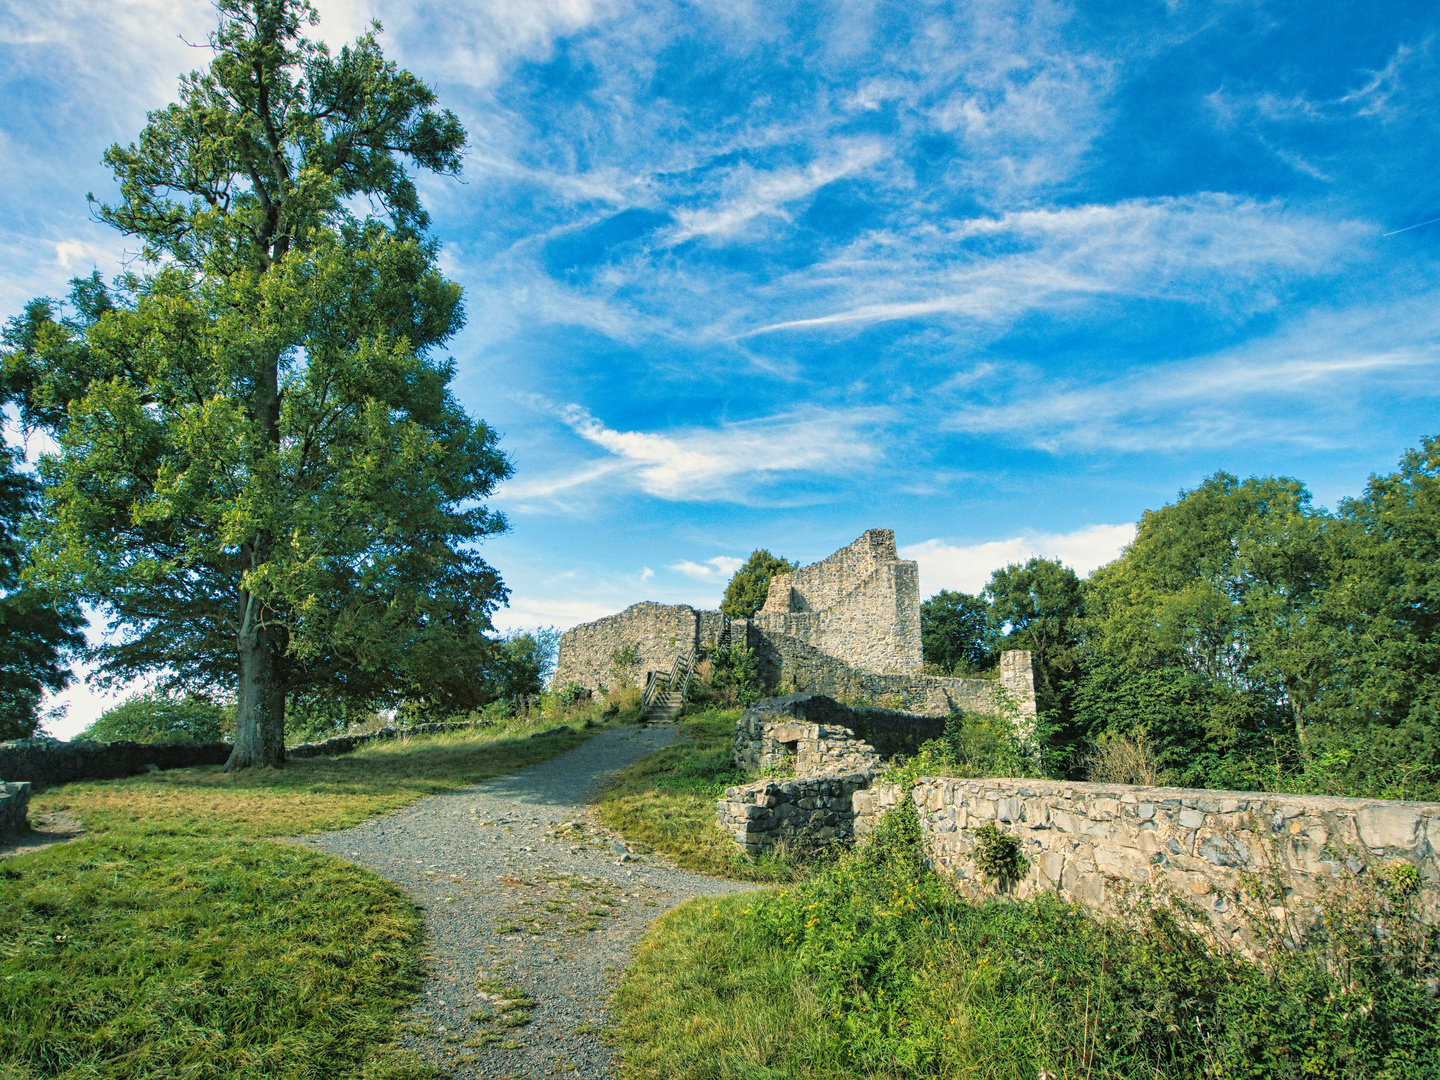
{"x": 531, "y": 910}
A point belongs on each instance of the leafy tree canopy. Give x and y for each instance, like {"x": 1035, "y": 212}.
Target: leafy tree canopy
{"x": 263, "y": 476}
{"x": 155, "y": 717}
{"x": 745, "y": 595}
{"x": 958, "y": 632}
{"x": 39, "y": 630}
{"x": 1039, "y": 605}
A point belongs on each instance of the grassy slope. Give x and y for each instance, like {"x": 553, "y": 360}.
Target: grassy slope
{"x": 171, "y": 941}
{"x": 667, "y": 801}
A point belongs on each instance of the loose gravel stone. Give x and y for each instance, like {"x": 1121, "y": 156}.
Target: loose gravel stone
{"x": 530, "y": 916}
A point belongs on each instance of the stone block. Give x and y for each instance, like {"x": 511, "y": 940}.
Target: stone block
{"x": 1382, "y": 827}
{"x": 1191, "y": 819}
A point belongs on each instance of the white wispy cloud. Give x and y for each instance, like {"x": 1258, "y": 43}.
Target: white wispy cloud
{"x": 1210, "y": 248}
{"x": 749, "y": 193}
{"x": 967, "y": 567}
{"x": 722, "y": 566}
{"x": 720, "y": 463}
{"x": 1315, "y": 384}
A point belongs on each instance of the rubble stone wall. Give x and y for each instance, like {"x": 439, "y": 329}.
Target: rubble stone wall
{"x": 14, "y": 804}
{"x": 45, "y": 763}
{"x": 659, "y": 632}
{"x": 1096, "y": 842}
{"x": 810, "y": 811}
{"x": 790, "y": 665}
{"x": 861, "y": 605}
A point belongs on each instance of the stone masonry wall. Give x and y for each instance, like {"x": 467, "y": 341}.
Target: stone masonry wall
{"x": 659, "y": 631}
{"x": 1095, "y": 842}
{"x": 789, "y": 665}
{"x": 46, "y": 763}
{"x": 860, "y": 605}
{"x": 815, "y": 810}
{"x": 14, "y": 802}
{"x": 815, "y": 730}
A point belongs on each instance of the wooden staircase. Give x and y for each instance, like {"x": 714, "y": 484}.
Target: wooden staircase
{"x": 664, "y": 695}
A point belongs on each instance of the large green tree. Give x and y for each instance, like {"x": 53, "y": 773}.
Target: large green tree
{"x": 1383, "y": 611}
{"x": 263, "y": 477}
{"x": 746, "y": 592}
{"x": 38, "y": 630}
{"x": 958, "y": 632}
{"x": 1226, "y": 583}
{"x": 1039, "y": 604}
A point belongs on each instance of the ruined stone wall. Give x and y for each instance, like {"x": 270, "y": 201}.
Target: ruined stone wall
{"x": 860, "y": 605}
{"x": 816, "y": 731}
{"x": 45, "y": 763}
{"x": 809, "y": 811}
{"x": 14, "y": 803}
{"x": 1095, "y": 842}
{"x": 789, "y": 665}
{"x": 658, "y": 631}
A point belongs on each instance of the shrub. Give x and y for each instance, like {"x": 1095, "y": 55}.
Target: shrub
{"x": 156, "y": 717}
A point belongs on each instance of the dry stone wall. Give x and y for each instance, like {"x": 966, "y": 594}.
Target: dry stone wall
{"x": 1096, "y": 843}
{"x": 14, "y": 804}
{"x": 45, "y": 763}
{"x": 812, "y": 811}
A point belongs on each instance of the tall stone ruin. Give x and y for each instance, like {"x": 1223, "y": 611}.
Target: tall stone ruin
{"x": 847, "y": 626}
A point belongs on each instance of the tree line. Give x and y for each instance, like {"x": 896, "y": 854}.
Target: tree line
{"x": 1245, "y": 638}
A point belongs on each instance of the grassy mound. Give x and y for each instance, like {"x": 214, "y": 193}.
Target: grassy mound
{"x": 173, "y": 942}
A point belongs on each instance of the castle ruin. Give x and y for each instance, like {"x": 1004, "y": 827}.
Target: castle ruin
{"x": 847, "y": 626}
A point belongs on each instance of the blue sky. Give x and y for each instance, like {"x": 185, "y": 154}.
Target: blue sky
{"x": 999, "y": 276}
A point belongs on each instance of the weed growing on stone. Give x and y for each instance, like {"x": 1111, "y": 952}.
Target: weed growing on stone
{"x": 875, "y": 967}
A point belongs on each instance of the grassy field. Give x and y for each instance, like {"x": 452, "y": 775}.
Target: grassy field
{"x": 173, "y": 940}
{"x": 872, "y": 967}
{"x": 667, "y": 801}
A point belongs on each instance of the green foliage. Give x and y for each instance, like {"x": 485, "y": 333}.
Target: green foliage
{"x": 39, "y": 630}
{"x": 959, "y": 633}
{"x": 734, "y": 678}
{"x": 1384, "y": 616}
{"x": 876, "y": 968}
{"x": 1040, "y": 604}
{"x": 997, "y": 855}
{"x": 746, "y": 592}
{"x": 262, "y": 475}
{"x": 156, "y": 717}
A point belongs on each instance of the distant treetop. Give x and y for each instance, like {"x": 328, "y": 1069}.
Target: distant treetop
{"x": 745, "y": 595}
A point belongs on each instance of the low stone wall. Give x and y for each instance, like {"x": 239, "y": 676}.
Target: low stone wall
{"x": 1095, "y": 843}
{"x": 14, "y": 802}
{"x": 45, "y": 763}
{"x": 824, "y": 735}
{"x": 810, "y": 811}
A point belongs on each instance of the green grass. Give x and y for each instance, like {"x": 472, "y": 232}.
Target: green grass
{"x": 667, "y": 799}
{"x": 874, "y": 968}
{"x": 174, "y": 941}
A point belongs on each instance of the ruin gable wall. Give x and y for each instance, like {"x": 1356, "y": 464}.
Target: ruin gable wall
{"x": 861, "y": 605}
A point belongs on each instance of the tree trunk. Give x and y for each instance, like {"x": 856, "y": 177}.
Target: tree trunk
{"x": 259, "y": 705}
